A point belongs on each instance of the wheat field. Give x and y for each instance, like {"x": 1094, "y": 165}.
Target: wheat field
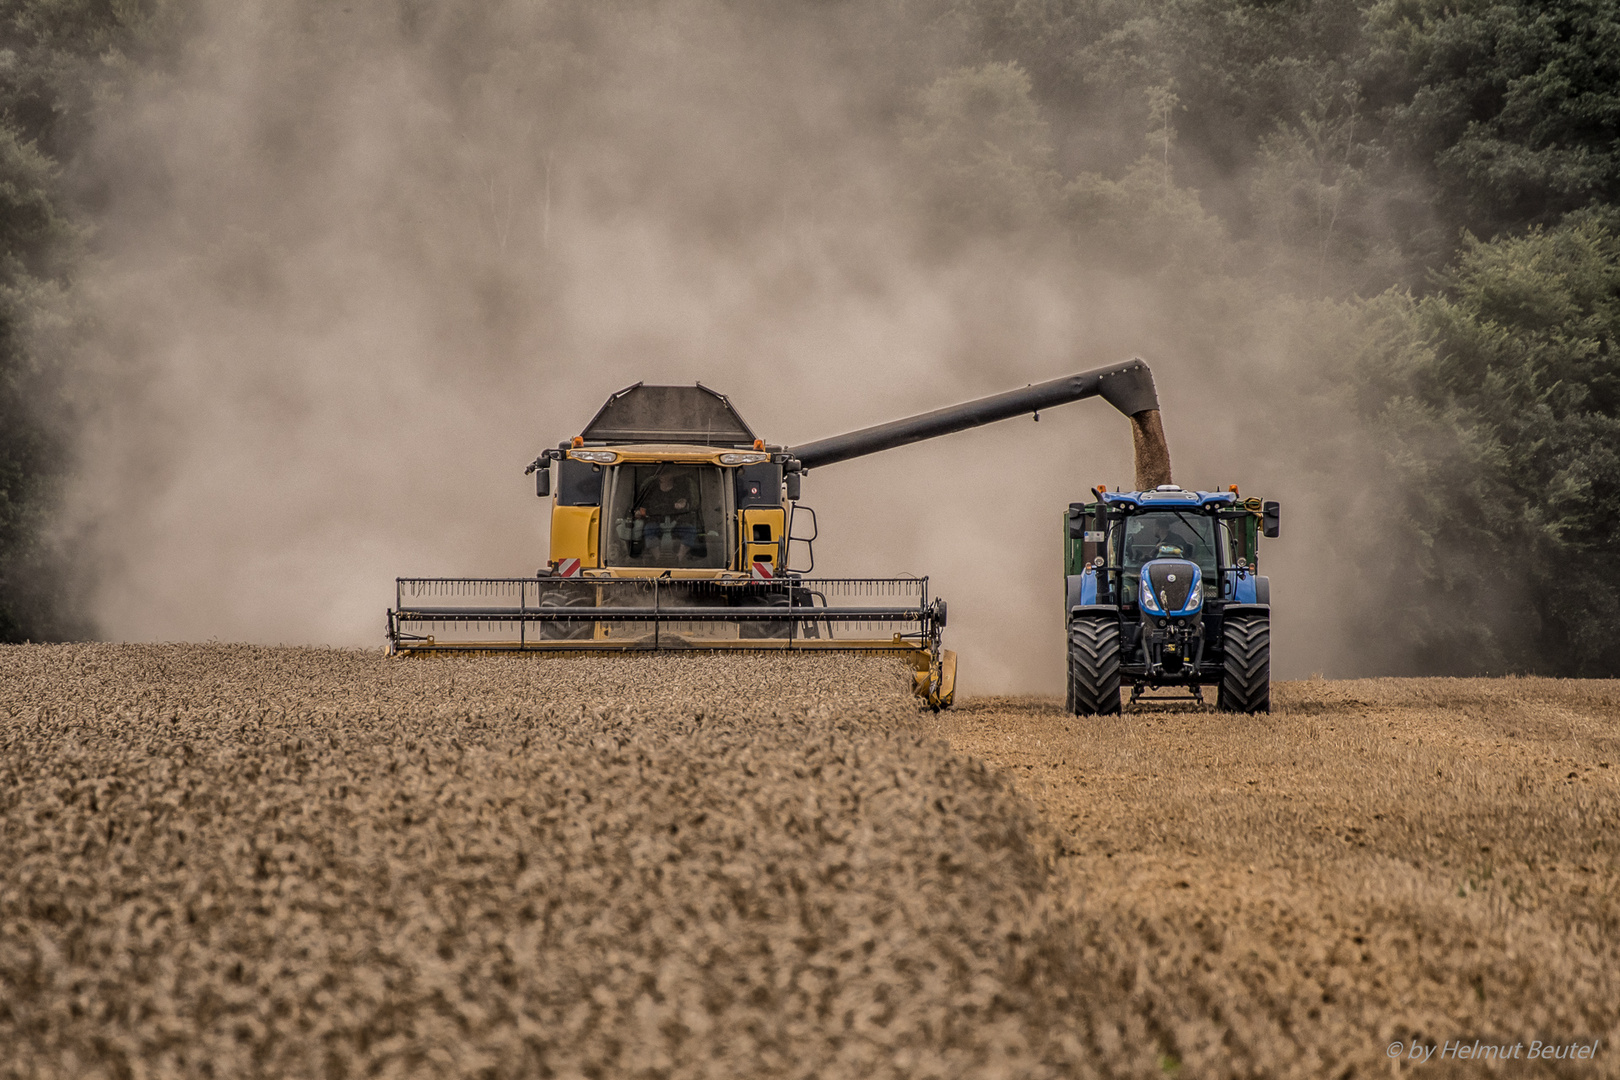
{"x": 1379, "y": 861}
{"x": 239, "y": 861}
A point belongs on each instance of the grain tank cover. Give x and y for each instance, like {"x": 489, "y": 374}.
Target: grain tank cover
{"x": 669, "y": 414}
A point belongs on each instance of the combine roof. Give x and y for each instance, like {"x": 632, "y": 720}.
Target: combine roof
{"x": 669, "y": 414}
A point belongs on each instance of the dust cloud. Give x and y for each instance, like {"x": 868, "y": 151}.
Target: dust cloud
{"x": 364, "y": 261}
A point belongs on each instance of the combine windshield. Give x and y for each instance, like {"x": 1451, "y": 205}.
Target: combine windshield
{"x": 666, "y": 515}
{"x": 1168, "y": 534}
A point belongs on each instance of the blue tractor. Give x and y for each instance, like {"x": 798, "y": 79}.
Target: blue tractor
{"x": 1164, "y": 592}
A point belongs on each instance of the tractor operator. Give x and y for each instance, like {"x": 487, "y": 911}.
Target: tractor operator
{"x": 1162, "y": 536}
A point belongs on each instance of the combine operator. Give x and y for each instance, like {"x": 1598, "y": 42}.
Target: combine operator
{"x": 667, "y": 508}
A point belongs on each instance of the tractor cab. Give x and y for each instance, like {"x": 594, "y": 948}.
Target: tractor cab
{"x": 1151, "y": 535}
{"x": 1113, "y": 538}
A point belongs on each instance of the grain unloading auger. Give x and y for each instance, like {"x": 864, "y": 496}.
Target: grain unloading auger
{"x": 672, "y": 526}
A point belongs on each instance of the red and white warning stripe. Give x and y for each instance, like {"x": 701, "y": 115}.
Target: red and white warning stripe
{"x": 762, "y": 571}
{"x": 567, "y": 568}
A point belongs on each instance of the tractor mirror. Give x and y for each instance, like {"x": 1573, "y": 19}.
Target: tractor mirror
{"x": 1271, "y": 518}
{"x": 542, "y": 481}
{"x": 1077, "y": 526}
{"x": 793, "y": 482}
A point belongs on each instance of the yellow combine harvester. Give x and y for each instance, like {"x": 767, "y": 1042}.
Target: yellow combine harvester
{"x": 674, "y": 527}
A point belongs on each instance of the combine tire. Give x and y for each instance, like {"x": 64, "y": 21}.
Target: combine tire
{"x": 568, "y": 596}
{"x": 1094, "y": 666}
{"x": 764, "y": 629}
{"x": 1246, "y": 674}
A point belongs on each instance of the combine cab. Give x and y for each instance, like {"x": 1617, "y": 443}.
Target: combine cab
{"x": 672, "y": 527}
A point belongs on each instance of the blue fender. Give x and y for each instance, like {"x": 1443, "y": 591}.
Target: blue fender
{"x": 1244, "y": 589}
{"x": 1082, "y": 589}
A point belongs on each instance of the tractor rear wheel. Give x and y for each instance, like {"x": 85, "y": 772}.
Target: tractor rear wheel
{"x": 1094, "y": 665}
{"x": 1246, "y": 673}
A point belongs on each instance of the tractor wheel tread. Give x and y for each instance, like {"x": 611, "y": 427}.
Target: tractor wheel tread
{"x": 1246, "y": 673}
{"x": 1093, "y": 666}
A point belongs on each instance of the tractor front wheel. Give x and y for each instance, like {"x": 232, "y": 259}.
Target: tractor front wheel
{"x": 1246, "y": 673}
{"x": 1094, "y": 665}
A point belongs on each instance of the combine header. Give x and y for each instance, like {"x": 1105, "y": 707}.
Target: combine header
{"x": 672, "y": 526}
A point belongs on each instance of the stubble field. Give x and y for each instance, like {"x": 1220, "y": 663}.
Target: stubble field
{"x": 235, "y": 861}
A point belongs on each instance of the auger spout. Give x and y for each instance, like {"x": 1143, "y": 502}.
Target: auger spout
{"x": 1128, "y": 387}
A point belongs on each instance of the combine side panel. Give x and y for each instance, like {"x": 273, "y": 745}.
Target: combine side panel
{"x": 574, "y": 532}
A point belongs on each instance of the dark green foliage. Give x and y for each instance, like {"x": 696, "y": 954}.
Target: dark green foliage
{"x": 980, "y": 142}
{"x": 1210, "y": 84}
{"x": 1509, "y": 110}
{"x": 35, "y": 240}
{"x": 56, "y": 56}
{"x": 1424, "y": 118}
{"x": 1498, "y": 404}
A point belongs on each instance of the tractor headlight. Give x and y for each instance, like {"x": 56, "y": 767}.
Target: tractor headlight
{"x": 1144, "y": 591}
{"x": 743, "y": 459}
{"x": 601, "y": 457}
{"x": 1195, "y": 594}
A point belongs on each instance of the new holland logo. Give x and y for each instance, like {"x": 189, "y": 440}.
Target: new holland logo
{"x": 762, "y": 571}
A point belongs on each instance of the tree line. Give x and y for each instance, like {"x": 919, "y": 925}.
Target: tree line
{"x": 55, "y": 58}
{"x": 1424, "y": 191}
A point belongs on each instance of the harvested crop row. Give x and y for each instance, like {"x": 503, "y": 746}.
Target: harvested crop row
{"x": 1411, "y": 861}
{"x": 225, "y": 861}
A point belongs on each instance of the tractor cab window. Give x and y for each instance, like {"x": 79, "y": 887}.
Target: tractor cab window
{"x": 1167, "y": 534}
{"x": 1231, "y": 537}
{"x": 667, "y": 515}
